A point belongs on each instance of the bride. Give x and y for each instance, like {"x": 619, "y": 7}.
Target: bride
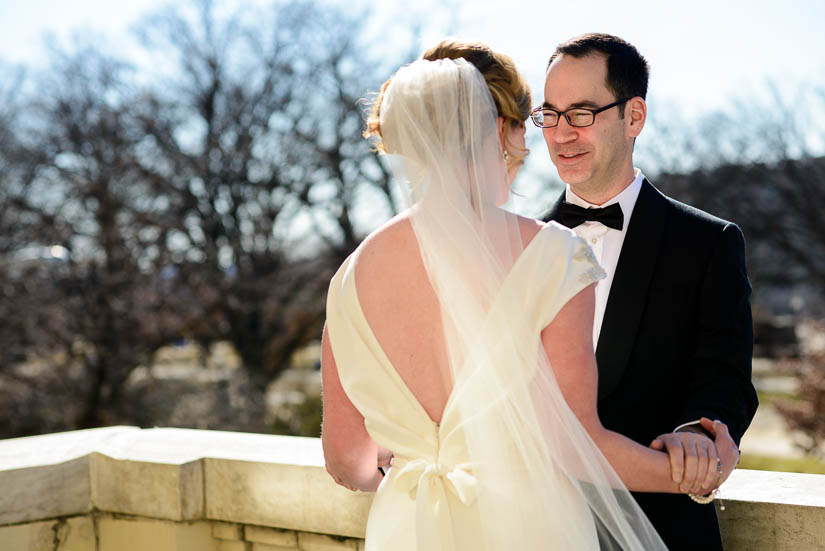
{"x": 458, "y": 342}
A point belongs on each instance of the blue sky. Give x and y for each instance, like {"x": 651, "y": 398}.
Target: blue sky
{"x": 704, "y": 54}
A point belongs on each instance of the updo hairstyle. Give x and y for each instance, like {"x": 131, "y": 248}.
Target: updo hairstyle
{"x": 509, "y": 90}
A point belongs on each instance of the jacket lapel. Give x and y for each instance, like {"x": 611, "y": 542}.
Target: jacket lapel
{"x": 628, "y": 292}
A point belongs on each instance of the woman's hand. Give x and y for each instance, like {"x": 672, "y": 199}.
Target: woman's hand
{"x": 693, "y": 460}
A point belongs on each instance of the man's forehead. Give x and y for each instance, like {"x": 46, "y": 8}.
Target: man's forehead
{"x": 576, "y": 81}
{"x": 578, "y": 72}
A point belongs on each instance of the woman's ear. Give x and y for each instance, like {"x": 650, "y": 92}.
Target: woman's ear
{"x": 500, "y": 130}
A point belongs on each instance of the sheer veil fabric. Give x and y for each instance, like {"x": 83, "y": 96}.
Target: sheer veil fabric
{"x": 526, "y": 474}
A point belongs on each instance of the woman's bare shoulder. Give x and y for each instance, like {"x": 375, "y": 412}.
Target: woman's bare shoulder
{"x": 385, "y": 244}
{"x": 529, "y": 228}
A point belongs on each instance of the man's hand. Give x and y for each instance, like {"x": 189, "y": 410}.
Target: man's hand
{"x": 726, "y": 447}
{"x": 693, "y": 460}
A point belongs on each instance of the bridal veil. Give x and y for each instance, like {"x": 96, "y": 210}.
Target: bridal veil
{"x": 537, "y": 479}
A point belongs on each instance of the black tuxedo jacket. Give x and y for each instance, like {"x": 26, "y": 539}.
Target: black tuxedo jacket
{"x": 676, "y": 342}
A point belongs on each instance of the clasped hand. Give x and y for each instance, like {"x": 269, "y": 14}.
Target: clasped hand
{"x": 698, "y": 464}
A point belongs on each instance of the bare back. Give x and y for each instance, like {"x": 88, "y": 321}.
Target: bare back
{"x": 403, "y": 312}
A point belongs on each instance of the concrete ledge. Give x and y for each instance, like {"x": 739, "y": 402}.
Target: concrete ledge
{"x": 179, "y": 475}
{"x": 152, "y": 535}
{"x": 770, "y": 510}
{"x": 296, "y": 497}
{"x": 42, "y": 492}
{"x": 68, "y": 534}
{"x": 774, "y": 487}
{"x": 158, "y": 490}
{"x": 251, "y": 491}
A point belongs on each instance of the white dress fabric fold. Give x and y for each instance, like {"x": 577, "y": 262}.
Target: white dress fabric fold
{"x": 429, "y": 498}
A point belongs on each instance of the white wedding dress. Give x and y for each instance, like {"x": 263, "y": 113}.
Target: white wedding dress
{"x": 430, "y": 491}
{"x": 509, "y": 466}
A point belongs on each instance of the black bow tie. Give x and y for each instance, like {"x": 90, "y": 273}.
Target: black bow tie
{"x": 573, "y": 215}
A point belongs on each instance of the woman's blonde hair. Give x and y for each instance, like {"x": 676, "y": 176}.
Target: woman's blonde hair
{"x": 510, "y": 91}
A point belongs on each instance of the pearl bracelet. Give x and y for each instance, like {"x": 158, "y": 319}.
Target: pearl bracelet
{"x": 704, "y": 500}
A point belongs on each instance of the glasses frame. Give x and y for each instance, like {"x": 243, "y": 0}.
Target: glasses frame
{"x": 567, "y": 116}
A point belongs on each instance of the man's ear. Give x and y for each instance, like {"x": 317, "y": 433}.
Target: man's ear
{"x": 635, "y": 113}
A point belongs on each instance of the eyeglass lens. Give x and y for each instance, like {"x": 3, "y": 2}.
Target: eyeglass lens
{"x": 575, "y": 117}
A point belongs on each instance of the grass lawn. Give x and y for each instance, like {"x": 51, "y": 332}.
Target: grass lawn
{"x": 787, "y": 464}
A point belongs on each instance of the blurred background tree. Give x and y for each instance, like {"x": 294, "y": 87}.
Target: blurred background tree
{"x": 758, "y": 165}
{"x": 212, "y": 202}
{"x": 167, "y": 235}
{"x": 77, "y": 300}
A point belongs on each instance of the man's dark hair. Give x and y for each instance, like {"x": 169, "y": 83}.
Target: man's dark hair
{"x": 627, "y": 70}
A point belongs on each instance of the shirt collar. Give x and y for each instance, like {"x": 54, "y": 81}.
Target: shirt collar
{"x": 626, "y": 199}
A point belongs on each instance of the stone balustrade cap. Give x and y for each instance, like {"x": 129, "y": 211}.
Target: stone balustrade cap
{"x": 280, "y": 482}
{"x": 158, "y": 445}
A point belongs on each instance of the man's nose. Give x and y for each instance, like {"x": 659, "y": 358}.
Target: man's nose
{"x": 564, "y": 132}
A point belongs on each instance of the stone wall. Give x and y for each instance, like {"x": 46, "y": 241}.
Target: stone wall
{"x": 101, "y": 531}
{"x": 127, "y": 489}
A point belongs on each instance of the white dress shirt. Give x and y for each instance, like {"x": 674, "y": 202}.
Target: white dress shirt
{"x": 607, "y": 245}
{"x": 606, "y": 242}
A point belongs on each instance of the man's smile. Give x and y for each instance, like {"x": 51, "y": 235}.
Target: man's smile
{"x": 571, "y": 157}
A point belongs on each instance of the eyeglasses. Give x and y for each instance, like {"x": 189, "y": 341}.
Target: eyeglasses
{"x": 544, "y": 117}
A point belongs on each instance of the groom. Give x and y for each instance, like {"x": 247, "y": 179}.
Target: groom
{"x": 672, "y": 326}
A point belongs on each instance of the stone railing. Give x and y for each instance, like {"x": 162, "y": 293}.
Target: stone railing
{"x": 127, "y": 489}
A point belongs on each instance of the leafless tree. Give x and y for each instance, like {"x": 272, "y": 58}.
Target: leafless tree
{"x": 210, "y": 197}
{"x": 256, "y": 132}
{"x": 759, "y": 165}
{"x": 92, "y": 308}
{"x": 805, "y": 413}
